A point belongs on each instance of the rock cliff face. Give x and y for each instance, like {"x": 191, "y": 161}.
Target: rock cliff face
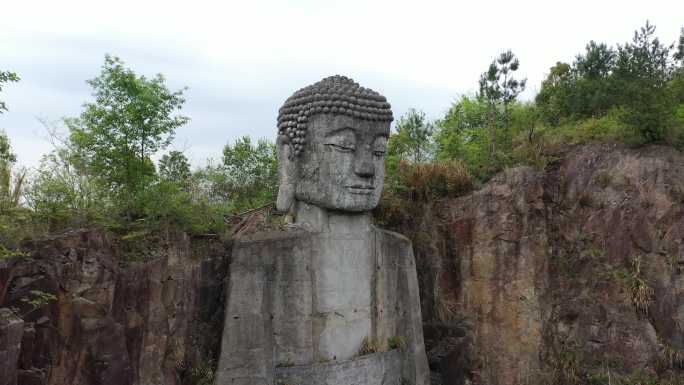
{"x": 568, "y": 275}
{"x": 138, "y": 323}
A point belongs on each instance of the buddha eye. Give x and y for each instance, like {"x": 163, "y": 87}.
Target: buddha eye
{"x": 342, "y": 147}
{"x": 343, "y": 140}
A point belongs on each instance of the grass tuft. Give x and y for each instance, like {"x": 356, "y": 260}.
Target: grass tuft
{"x": 424, "y": 181}
{"x": 369, "y": 346}
{"x": 642, "y": 293}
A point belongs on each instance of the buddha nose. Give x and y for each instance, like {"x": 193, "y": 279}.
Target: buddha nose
{"x": 363, "y": 166}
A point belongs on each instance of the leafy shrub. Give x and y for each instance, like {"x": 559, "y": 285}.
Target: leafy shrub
{"x": 396, "y": 342}
{"x": 6, "y": 253}
{"x": 248, "y": 177}
{"x": 63, "y": 195}
{"x": 539, "y": 150}
{"x": 35, "y": 300}
{"x": 16, "y": 225}
{"x": 675, "y": 136}
{"x": 595, "y": 129}
{"x": 165, "y": 203}
{"x": 466, "y": 133}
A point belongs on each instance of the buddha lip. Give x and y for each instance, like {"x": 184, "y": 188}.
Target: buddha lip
{"x": 361, "y": 189}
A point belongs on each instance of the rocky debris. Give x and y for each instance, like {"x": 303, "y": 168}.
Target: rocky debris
{"x": 565, "y": 274}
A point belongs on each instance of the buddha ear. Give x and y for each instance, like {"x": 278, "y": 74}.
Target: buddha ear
{"x": 287, "y": 174}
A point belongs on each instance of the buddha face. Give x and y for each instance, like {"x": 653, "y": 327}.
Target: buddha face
{"x": 342, "y": 165}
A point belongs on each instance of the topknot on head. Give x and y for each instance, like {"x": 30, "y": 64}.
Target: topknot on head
{"x": 336, "y": 95}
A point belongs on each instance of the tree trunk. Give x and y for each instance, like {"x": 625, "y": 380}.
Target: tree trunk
{"x": 492, "y": 127}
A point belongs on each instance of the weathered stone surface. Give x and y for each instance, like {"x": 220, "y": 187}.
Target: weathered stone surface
{"x": 11, "y": 330}
{"x": 141, "y": 324}
{"x": 530, "y": 278}
{"x": 377, "y": 368}
{"x": 313, "y": 297}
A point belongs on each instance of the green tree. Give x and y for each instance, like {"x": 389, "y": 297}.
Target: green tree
{"x": 7, "y": 157}
{"x": 580, "y": 91}
{"x": 642, "y": 71}
{"x": 676, "y": 89}
{"x": 553, "y": 97}
{"x": 250, "y": 173}
{"x": 462, "y": 134}
{"x": 460, "y": 126}
{"x": 525, "y": 117}
{"x": 679, "y": 54}
{"x": 593, "y": 95}
{"x": 10, "y": 185}
{"x": 510, "y": 86}
{"x": 131, "y": 118}
{"x": 597, "y": 61}
{"x": 175, "y": 167}
{"x": 490, "y": 91}
{"x": 61, "y": 192}
{"x": 500, "y": 88}
{"x": 412, "y": 140}
{"x": 6, "y": 77}
{"x": 9, "y": 196}
{"x": 13, "y": 219}
{"x": 636, "y": 85}
{"x": 677, "y": 85}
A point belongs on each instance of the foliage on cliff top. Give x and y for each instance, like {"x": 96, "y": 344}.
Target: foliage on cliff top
{"x": 102, "y": 171}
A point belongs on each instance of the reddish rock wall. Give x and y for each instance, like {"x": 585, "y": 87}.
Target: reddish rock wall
{"x": 531, "y": 279}
{"x": 114, "y": 322}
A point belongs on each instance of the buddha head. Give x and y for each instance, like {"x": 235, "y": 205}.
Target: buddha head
{"x": 332, "y": 138}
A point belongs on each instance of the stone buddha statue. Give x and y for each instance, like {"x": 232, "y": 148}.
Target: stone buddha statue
{"x": 335, "y": 299}
{"x": 331, "y": 144}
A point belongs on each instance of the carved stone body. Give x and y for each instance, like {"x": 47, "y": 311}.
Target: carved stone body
{"x": 335, "y": 300}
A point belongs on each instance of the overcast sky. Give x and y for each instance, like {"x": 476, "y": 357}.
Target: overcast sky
{"x": 242, "y": 59}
